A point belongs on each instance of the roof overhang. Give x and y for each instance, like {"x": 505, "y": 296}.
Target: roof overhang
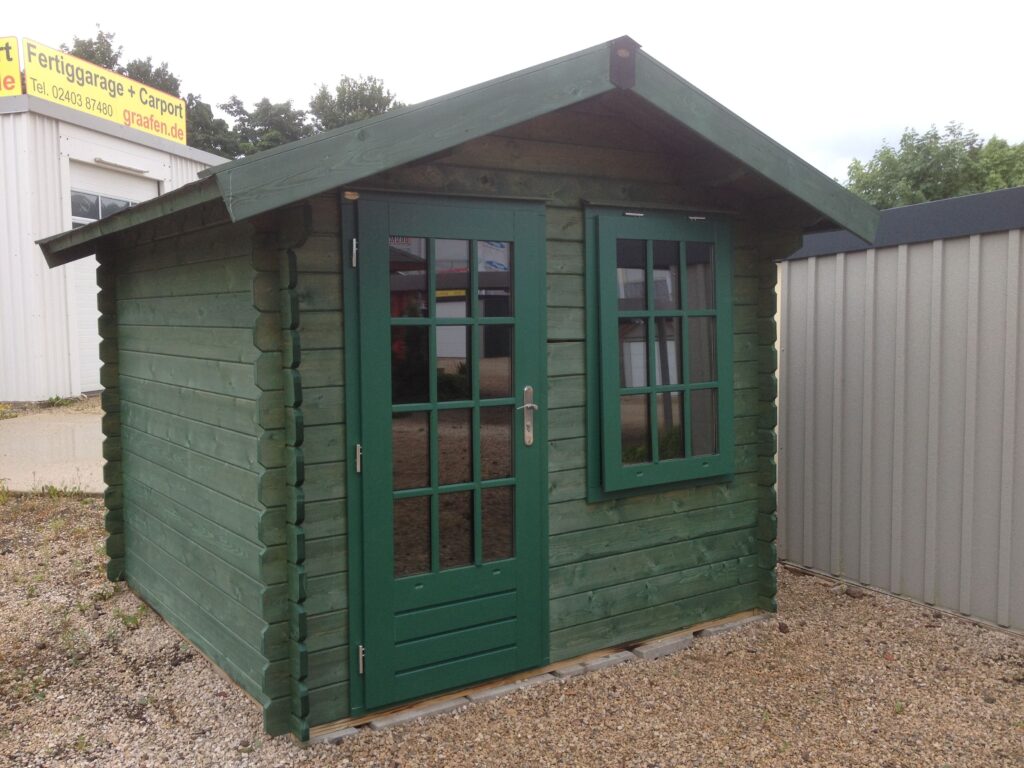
{"x": 295, "y": 171}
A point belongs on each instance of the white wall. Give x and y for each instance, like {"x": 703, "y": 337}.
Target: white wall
{"x": 48, "y": 335}
{"x": 901, "y": 431}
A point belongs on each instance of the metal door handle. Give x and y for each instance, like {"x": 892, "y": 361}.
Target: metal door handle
{"x": 528, "y": 407}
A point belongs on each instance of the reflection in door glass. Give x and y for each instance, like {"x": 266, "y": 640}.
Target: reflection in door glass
{"x": 636, "y": 429}
{"x": 498, "y": 522}
{"x": 410, "y": 355}
{"x": 668, "y": 346}
{"x": 633, "y": 352}
{"x": 631, "y": 261}
{"x": 412, "y": 535}
{"x": 408, "y": 270}
{"x": 455, "y": 446}
{"x": 496, "y": 442}
{"x": 456, "y": 518}
{"x": 700, "y": 276}
{"x": 451, "y": 265}
{"x": 704, "y": 421}
{"x": 495, "y": 361}
{"x": 671, "y": 436}
{"x": 494, "y": 268}
{"x": 666, "y": 274}
{"x": 453, "y": 365}
{"x": 702, "y": 348}
{"x": 410, "y": 450}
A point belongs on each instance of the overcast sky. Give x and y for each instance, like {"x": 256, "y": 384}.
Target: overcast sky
{"x": 830, "y": 81}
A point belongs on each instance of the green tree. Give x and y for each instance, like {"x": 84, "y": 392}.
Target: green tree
{"x": 206, "y": 132}
{"x": 100, "y": 50}
{"x": 353, "y": 100}
{"x": 934, "y": 166}
{"x": 268, "y": 125}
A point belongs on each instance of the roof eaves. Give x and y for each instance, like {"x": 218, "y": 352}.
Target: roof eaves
{"x": 78, "y": 243}
{"x": 689, "y": 105}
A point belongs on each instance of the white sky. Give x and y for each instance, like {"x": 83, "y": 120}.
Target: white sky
{"x": 829, "y": 81}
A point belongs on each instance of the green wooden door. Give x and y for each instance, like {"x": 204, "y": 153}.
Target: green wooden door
{"x": 451, "y": 313}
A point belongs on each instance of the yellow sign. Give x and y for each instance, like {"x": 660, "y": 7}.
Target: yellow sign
{"x": 10, "y": 67}
{"x": 65, "y": 79}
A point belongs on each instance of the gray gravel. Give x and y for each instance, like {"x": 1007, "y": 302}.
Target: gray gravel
{"x": 89, "y": 676}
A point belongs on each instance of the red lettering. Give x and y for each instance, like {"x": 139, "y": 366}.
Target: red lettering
{"x": 7, "y": 84}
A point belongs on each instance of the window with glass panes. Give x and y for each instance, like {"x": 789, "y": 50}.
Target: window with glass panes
{"x": 664, "y": 357}
{"x": 87, "y": 207}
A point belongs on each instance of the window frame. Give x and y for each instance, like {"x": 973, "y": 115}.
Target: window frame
{"x": 607, "y": 477}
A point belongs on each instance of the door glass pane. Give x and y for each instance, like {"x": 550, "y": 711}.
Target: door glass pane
{"x": 631, "y": 260}
{"x": 633, "y": 352}
{"x": 408, "y": 268}
{"x": 496, "y": 361}
{"x": 671, "y": 443}
{"x": 456, "y": 529}
{"x": 702, "y": 349}
{"x": 451, "y": 265}
{"x": 410, "y": 365}
{"x": 410, "y": 450}
{"x": 666, "y": 274}
{"x": 636, "y": 429}
{"x": 412, "y": 535}
{"x": 667, "y": 350}
{"x": 704, "y": 421}
{"x": 496, "y": 442}
{"x": 700, "y": 276}
{"x": 455, "y": 446}
{"x": 494, "y": 265}
{"x": 498, "y": 521}
{"x": 453, "y": 382}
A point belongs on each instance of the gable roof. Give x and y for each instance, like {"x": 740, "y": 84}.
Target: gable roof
{"x": 295, "y": 171}
{"x": 938, "y": 220}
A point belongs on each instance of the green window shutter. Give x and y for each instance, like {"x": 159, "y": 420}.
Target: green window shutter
{"x": 660, "y": 387}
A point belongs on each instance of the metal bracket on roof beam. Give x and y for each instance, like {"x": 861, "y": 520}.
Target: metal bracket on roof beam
{"x": 622, "y": 66}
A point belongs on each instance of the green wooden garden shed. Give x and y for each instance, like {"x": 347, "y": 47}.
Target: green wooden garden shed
{"x": 478, "y": 385}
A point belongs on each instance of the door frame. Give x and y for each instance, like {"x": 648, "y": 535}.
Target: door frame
{"x": 351, "y": 312}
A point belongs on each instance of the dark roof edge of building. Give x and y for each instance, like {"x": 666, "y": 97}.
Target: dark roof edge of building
{"x": 924, "y": 222}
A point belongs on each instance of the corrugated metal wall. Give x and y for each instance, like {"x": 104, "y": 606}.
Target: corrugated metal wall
{"x": 40, "y": 317}
{"x": 33, "y": 324}
{"x": 901, "y": 431}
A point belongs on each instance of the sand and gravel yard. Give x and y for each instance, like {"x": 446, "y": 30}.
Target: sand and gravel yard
{"x": 90, "y": 676}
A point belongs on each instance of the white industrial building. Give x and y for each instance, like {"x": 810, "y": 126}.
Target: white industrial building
{"x": 59, "y": 168}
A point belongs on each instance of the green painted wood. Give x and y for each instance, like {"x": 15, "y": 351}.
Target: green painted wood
{"x": 327, "y": 667}
{"x": 326, "y": 630}
{"x": 566, "y": 358}
{"x": 397, "y": 671}
{"x": 325, "y": 443}
{"x": 631, "y": 596}
{"x": 630, "y": 566}
{"x": 649, "y": 622}
{"x": 323, "y": 405}
{"x": 318, "y": 292}
{"x": 328, "y": 704}
{"x": 234, "y": 584}
{"x": 229, "y": 412}
{"x": 241, "y": 553}
{"x": 227, "y": 344}
{"x": 235, "y": 448}
{"x": 634, "y": 536}
{"x": 566, "y": 422}
{"x": 565, "y": 257}
{"x": 567, "y": 391}
{"x": 325, "y": 518}
{"x": 216, "y": 376}
{"x": 321, "y": 252}
{"x": 565, "y": 224}
{"x": 325, "y": 555}
{"x": 229, "y": 273}
{"x": 232, "y": 481}
{"x": 321, "y": 329}
{"x": 324, "y": 481}
{"x": 566, "y": 454}
{"x": 220, "y": 310}
{"x": 327, "y": 594}
{"x": 321, "y": 368}
{"x": 565, "y": 324}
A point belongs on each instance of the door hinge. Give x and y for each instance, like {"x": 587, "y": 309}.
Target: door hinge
{"x": 359, "y": 458}
{"x": 355, "y": 252}
{"x": 362, "y": 659}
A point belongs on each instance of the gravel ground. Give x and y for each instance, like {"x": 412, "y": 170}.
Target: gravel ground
{"x": 90, "y": 676}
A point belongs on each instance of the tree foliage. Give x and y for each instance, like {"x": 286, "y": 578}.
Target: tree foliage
{"x": 353, "y": 100}
{"x": 934, "y": 166}
{"x": 266, "y": 125}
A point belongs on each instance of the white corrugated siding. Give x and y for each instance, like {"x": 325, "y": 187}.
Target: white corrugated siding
{"x": 34, "y": 345}
{"x": 901, "y": 432}
{"x": 48, "y": 340}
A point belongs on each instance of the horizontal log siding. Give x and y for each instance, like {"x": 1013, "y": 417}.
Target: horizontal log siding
{"x": 318, "y": 291}
{"x": 653, "y": 562}
{"x": 203, "y": 524}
